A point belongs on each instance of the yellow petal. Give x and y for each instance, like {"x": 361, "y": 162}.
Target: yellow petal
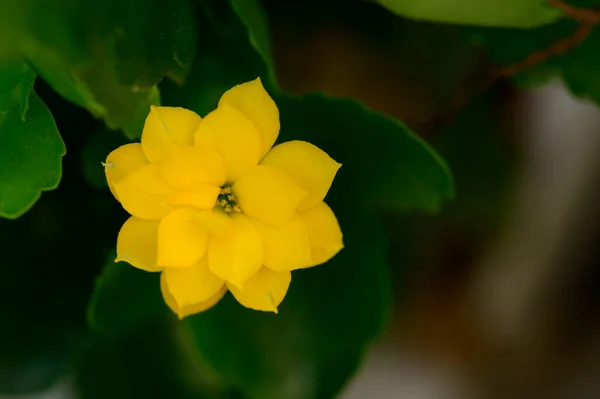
{"x": 287, "y": 247}
{"x": 268, "y": 194}
{"x": 216, "y": 221}
{"x": 234, "y": 136}
{"x": 189, "y": 310}
{"x": 264, "y": 291}
{"x": 309, "y": 166}
{"x": 123, "y": 161}
{"x": 144, "y": 193}
{"x": 166, "y": 127}
{"x": 192, "y": 285}
{"x": 236, "y": 254}
{"x": 253, "y": 101}
{"x": 188, "y": 166}
{"x": 137, "y": 243}
{"x": 324, "y": 232}
{"x": 201, "y": 197}
{"x": 182, "y": 240}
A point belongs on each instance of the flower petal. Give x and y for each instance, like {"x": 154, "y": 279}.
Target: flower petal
{"x": 252, "y": 100}
{"x": 188, "y": 166}
{"x": 200, "y": 197}
{"x": 137, "y": 244}
{"x": 189, "y": 310}
{"x": 166, "y": 127}
{"x": 287, "y": 247}
{"x": 236, "y": 254}
{"x": 216, "y": 221}
{"x": 192, "y": 285}
{"x": 182, "y": 240}
{"x": 143, "y": 193}
{"x": 234, "y": 136}
{"x": 309, "y": 166}
{"x": 123, "y": 161}
{"x": 264, "y": 291}
{"x": 324, "y": 232}
{"x": 268, "y": 194}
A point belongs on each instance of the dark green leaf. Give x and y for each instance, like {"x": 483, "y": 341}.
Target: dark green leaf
{"x": 124, "y": 298}
{"x": 512, "y": 46}
{"x": 580, "y": 67}
{"x": 226, "y": 57}
{"x": 16, "y": 84}
{"x": 252, "y": 14}
{"x": 577, "y": 67}
{"x": 30, "y": 145}
{"x": 384, "y": 164}
{"x": 123, "y": 107}
{"x": 509, "y": 13}
{"x": 106, "y": 56}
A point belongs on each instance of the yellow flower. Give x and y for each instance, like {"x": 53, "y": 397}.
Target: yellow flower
{"x": 215, "y": 208}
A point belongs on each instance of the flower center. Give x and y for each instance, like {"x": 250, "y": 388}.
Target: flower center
{"x": 227, "y": 201}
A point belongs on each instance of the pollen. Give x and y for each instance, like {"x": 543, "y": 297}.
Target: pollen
{"x": 227, "y": 201}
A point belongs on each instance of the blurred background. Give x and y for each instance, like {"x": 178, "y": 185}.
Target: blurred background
{"x": 498, "y": 295}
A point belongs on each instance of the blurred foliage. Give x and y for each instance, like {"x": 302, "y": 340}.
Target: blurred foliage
{"x": 114, "y": 59}
{"x": 104, "y": 56}
{"x": 508, "y": 13}
{"x": 576, "y": 66}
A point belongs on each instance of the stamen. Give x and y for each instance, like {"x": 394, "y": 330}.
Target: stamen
{"x": 227, "y": 200}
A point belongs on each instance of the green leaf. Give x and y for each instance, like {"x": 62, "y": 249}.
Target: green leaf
{"x": 330, "y": 315}
{"x": 384, "y": 164}
{"x": 31, "y": 148}
{"x": 16, "y": 84}
{"x": 226, "y": 57}
{"x": 505, "y": 13}
{"x": 124, "y": 298}
{"x": 252, "y": 14}
{"x": 121, "y": 106}
{"x": 105, "y": 56}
